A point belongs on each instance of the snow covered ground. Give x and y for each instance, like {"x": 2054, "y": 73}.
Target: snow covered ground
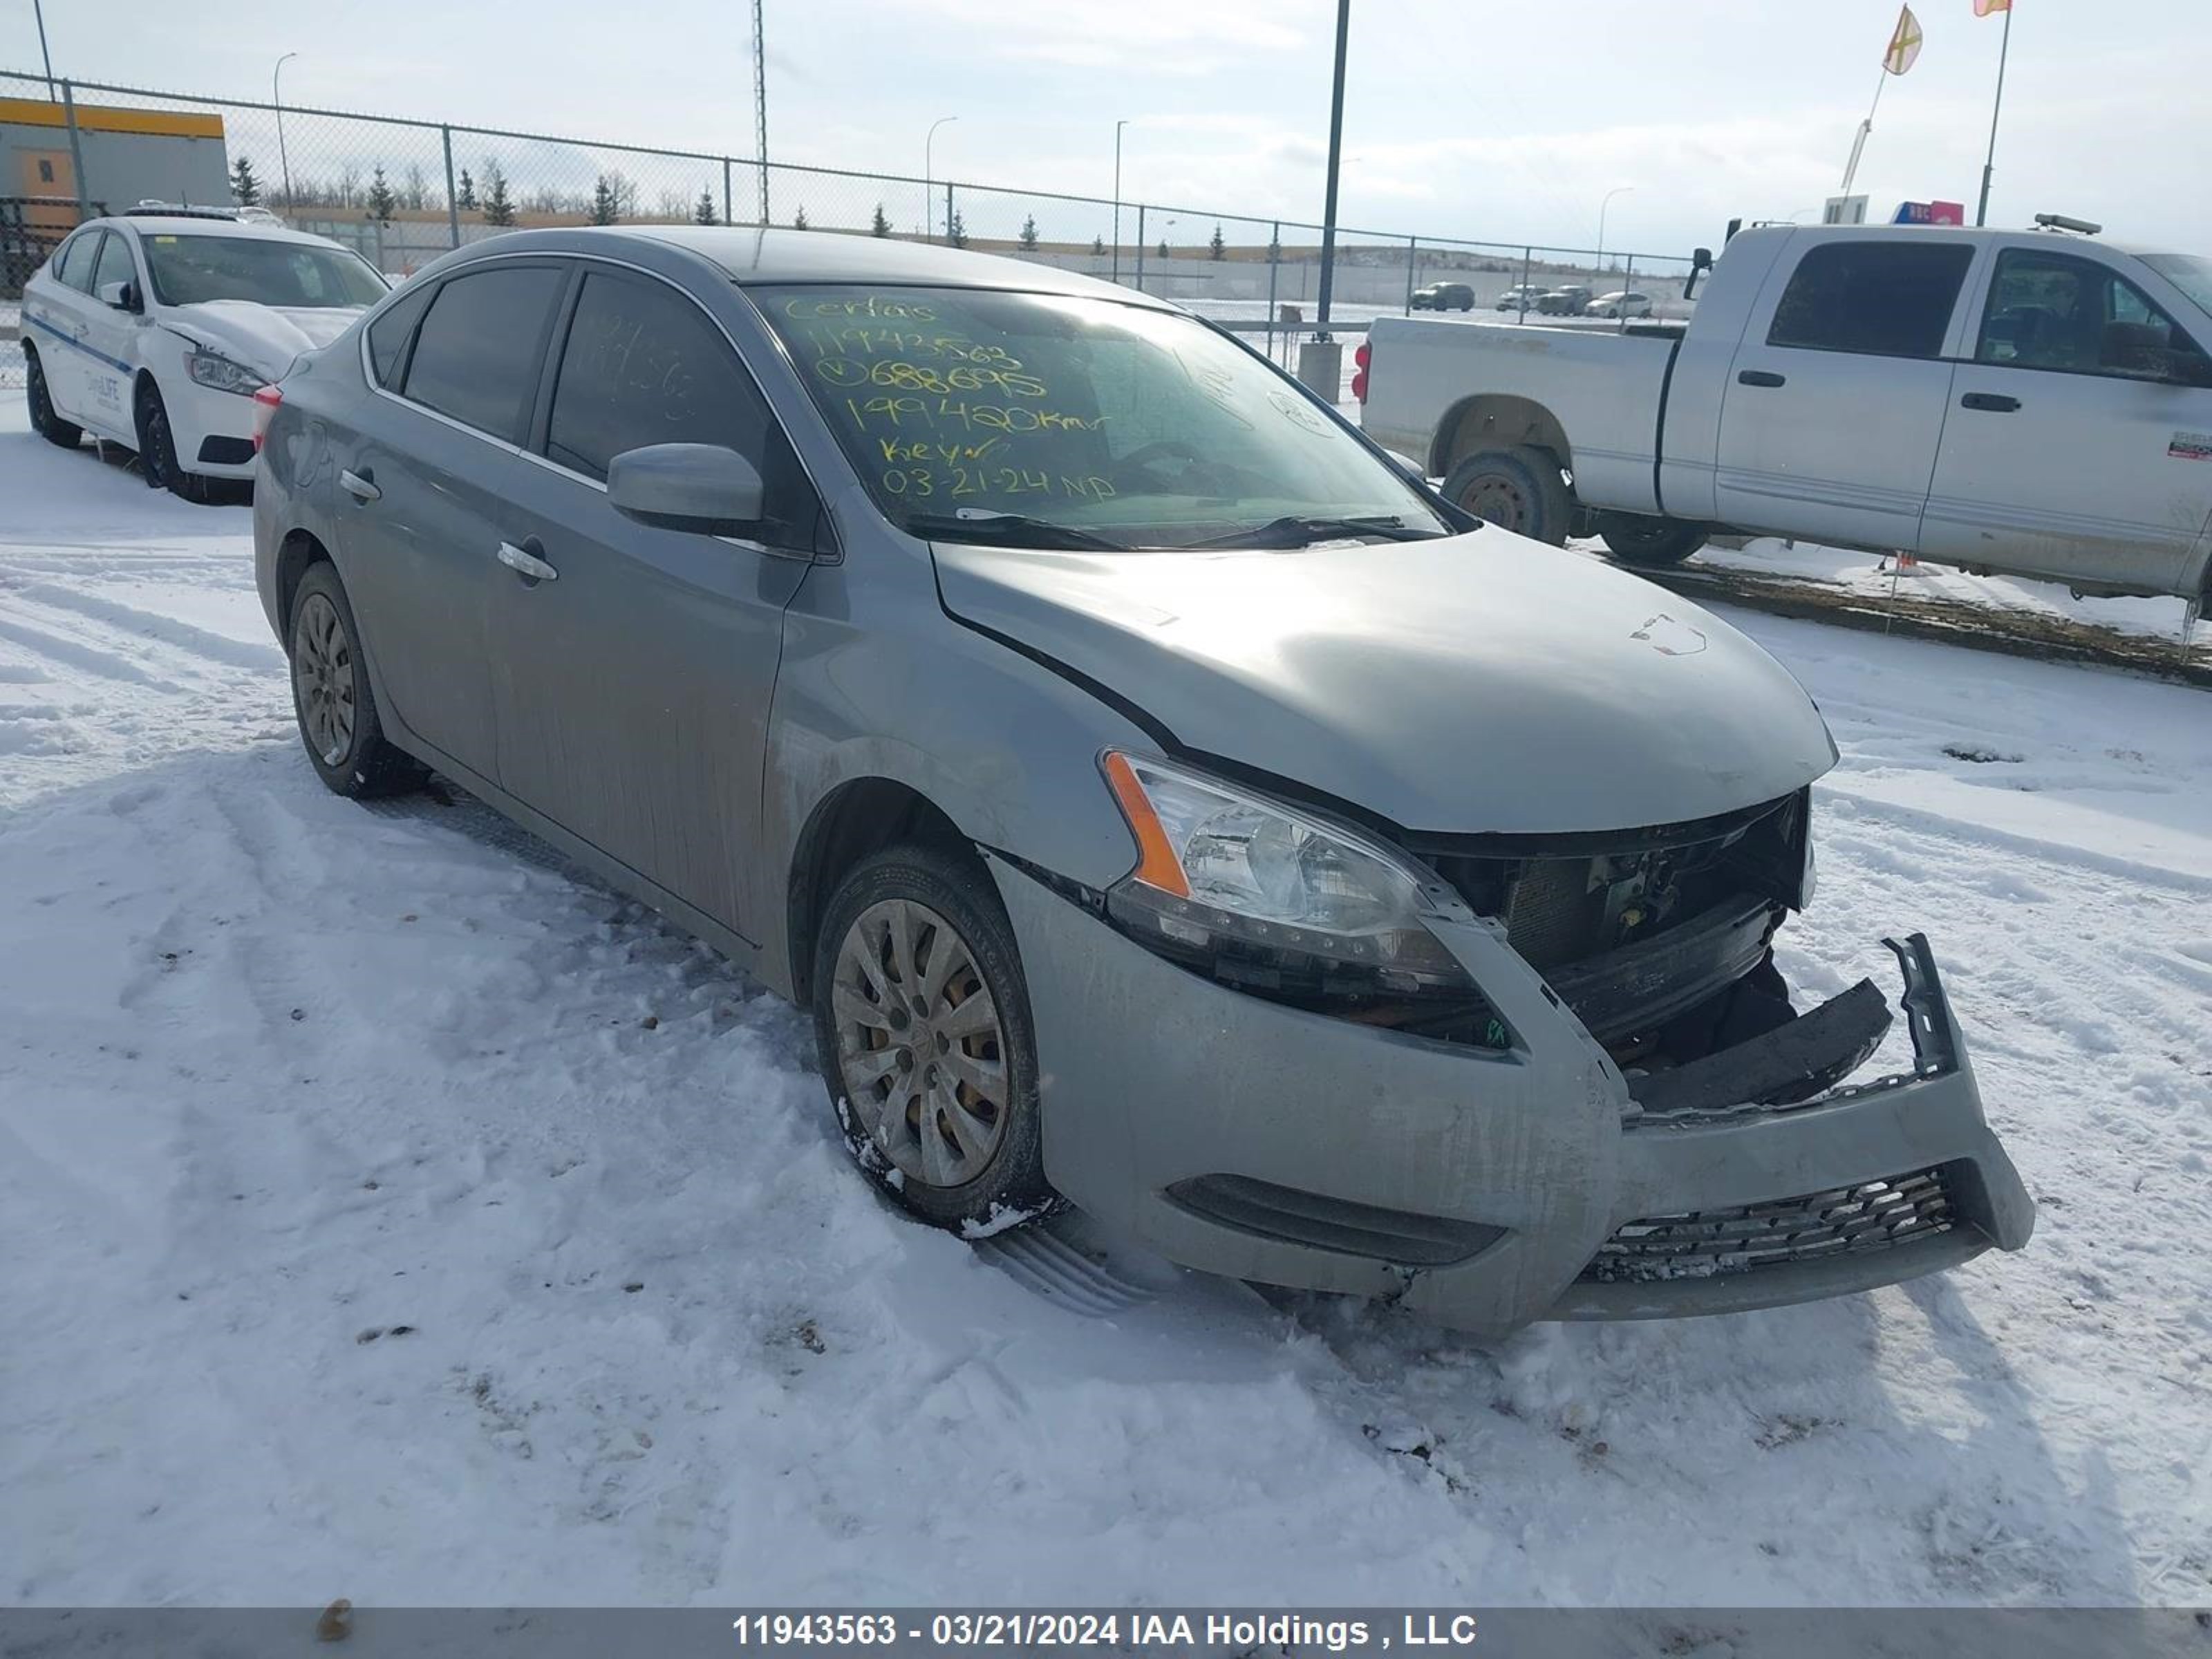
{"x": 387, "y": 1213}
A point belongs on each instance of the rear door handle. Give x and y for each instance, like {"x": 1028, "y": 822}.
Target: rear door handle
{"x": 359, "y": 486}
{"x": 527, "y": 563}
{"x": 1759, "y": 377}
{"x": 1992, "y": 402}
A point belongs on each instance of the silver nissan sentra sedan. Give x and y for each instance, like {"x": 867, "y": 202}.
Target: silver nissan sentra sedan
{"x": 1163, "y": 802}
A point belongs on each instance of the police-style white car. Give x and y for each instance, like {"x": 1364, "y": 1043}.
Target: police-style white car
{"x": 154, "y": 328}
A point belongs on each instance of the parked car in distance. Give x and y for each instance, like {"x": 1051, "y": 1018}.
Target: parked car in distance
{"x": 1522, "y": 296}
{"x": 1625, "y": 302}
{"x": 154, "y": 328}
{"x": 1565, "y": 301}
{"x": 914, "y": 626}
{"x": 1442, "y": 296}
{"x": 2014, "y": 401}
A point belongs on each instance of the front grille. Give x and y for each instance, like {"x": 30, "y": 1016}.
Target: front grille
{"x": 1874, "y": 1215}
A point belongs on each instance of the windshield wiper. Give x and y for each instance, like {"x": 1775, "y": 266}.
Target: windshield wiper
{"x": 1294, "y": 531}
{"x": 1009, "y": 529}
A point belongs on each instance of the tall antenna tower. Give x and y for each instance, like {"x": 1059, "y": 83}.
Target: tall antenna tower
{"x": 760, "y": 108}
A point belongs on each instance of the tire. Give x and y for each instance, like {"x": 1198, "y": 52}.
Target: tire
{"x": 1651, "y": 543}
{"x": 331, "y": 697}
{"x": 157, "y": 449}
{"x": 46, "y": 419}
{"x": 940, "y": 1147}
{"x": 1519, "y": 489}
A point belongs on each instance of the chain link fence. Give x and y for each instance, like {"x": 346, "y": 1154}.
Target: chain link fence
{"x": 402, "y": 192}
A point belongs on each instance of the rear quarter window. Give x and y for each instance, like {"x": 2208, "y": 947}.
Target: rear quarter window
{"x": 389, "y": 334}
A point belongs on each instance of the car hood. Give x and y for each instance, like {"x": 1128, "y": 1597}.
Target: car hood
{"x": 1474, "y": 684}
{"x": 265, "y": 338}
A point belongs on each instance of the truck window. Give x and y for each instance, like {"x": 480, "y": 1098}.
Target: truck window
{"x": 1892, "y": 297}
{"x": 2057, "y": 311}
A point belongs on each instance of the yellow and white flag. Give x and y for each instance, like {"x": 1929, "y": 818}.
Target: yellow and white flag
{"x": 1904, "y": 45}
{"x": 1987, "y": 8}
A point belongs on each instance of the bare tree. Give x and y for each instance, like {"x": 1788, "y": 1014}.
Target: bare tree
{"x": 414, "y": 189}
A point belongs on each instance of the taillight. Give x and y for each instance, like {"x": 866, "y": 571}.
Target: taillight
{"x": 264, "y": 407}
{"x": 1360, "y": 359}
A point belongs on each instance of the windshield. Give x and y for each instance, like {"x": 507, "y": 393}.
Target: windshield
{"x": 1109, "y": 423}
{"x": 187, "y": 270}
{"x": 2189, "y": 272}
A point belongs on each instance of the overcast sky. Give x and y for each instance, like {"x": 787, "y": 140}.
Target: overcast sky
{"x": 1464, "y": 117}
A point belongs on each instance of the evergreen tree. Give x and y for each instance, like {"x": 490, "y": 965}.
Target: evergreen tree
{"x": 1099, "y": 247}
{"x": 799, "y": 220}
{"x": 381, "y": 202}
{"x": 1164, "y": 254}
{"x": 497, "y": 209}
{"x": 466, "y": 196}
{"x": 1275, "y": 249}
{"x": 605, "y": 210}
{"x": 704, "y": 213}
{"x": 882, "y": 227}
{"x": 956, "y": 231}
{"x": 245, "y": 188}
{"x": 1217, "y": 247}
{"x": 1029, "y": 235}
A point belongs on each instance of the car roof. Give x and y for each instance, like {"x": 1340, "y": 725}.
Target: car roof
{"x": 753, "y": 257}
{"x": 2060, "y": 240}
{"x": 162, "y": 224}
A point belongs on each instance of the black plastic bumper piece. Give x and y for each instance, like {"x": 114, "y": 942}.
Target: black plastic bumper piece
{"x": 1792, "y": 1062}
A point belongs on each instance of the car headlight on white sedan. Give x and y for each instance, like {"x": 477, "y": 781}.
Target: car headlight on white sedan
{"x": 1272, "y": 900}
{"x": 212, "y": 369}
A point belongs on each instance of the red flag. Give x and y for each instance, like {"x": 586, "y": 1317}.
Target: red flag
{"x": 1984, "y": 8}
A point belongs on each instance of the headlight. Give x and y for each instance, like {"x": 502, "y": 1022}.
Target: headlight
{"x": 1267, "y": 896}
{"x": 220, "y": 373}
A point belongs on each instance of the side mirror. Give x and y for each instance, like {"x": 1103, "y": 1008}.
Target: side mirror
{"x": 1701, "y": 261}
{"x": 702, "y": 488}
{"x": 1406, "y": 464}
{"x": 123, "y": 296}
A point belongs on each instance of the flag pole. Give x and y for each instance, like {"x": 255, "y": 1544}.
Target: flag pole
{"x": 1990, "y": 167}
{"x": 1866, "y": 127}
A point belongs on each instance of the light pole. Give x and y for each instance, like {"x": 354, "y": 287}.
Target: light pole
{"x": 277, "y": 96}
{"x": 1618, "y": 189}
{"x": 929, "y": 196}
{"x": 1335, "y": 158}
{"x": 40, "y": 12}
{"x": 1118, "y": 126}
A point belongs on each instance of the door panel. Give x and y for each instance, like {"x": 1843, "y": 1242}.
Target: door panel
{"x": 2067, "y": 453}
{"x": 110, "y": 347}
{"x": 1835, "y": 402}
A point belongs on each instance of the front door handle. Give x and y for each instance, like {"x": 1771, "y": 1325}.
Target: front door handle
{"x": 1990, "y": 403}
{"x": 524, "y": 563}
{"x": 359, "y": 485}
{"x": 1759, "y": 377}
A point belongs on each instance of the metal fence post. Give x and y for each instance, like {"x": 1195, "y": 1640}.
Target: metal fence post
{"x": 1140, "y": 247}
{"x": 77, "y": 152}
{"x": 1412, "y": 254}
{"x": 726, "y": 190}
{"x": 948, "y": 213}
{"x": 1274, "y": 264}
{"x": 1528, "y": 262}
{"x": 1627, "y": 284}
{"x": 452, "y": 197}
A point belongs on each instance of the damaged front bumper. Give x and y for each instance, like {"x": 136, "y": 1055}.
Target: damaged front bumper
{"x": 1487, "y": 1188}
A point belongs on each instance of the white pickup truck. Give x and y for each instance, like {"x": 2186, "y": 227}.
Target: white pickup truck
{"x": 2034, "y": 403}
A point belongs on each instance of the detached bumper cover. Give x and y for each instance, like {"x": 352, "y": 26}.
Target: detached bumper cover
{"x": 1487, "y": 1189}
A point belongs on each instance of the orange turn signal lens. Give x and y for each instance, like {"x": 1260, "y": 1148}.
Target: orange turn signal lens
{"x": 1157, "y": 863}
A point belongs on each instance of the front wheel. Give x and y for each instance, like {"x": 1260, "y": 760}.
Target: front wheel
{"x": 1520, "y": 489}
{"x": 922, "y": 1017}
{"x": 157, "y": 449}
{"x": 46, "y": 419}
{"x": 1651, "y": 543}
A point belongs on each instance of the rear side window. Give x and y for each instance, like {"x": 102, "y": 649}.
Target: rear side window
{"x": 477, "y": 356}
{"x": 389, "y": 334}
{"x": 1885, "y": 299}
{"x": 115, "y": 265}
{"x": 644, "y": 365}
{"x": 73, "y": 265}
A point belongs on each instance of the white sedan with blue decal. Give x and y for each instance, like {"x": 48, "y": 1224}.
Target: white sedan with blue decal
{"x": 153, "y": 330}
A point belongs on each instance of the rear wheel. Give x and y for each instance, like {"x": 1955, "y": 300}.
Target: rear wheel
{"x": 46, "y": 419}
{"x": 333, "y": 700}
{"x": 157, "y": 449}
{"x": 1520, "y": 489}
{"x": 1653, "y": 543}
{"x": 921, "y": 1018}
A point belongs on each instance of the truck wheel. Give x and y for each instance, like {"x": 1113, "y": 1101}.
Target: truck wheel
{"x": 1651, "y": 543}
{"x": 1520, "y": 489}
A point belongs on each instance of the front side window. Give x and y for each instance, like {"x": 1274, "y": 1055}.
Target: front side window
{"x": 1892, "y": 297}
{"x": 480, "y": 349}
{"x": 73, "y": 265}
{"x": 2057, "y": 311}
{"x": 1107, "y": 422}
{"x": 191, "y": 270}
{"x": 114, "y": 264}
{"x": 2189, "y": 272}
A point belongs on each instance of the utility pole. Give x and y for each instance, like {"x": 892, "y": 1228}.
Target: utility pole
{"x": 1335, "y": 160}
{"x": 277, "y": 96}
{"x": 39, "y": 11}
{"x": 1989, "y": 166}
{"x": 760, "y": 108}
